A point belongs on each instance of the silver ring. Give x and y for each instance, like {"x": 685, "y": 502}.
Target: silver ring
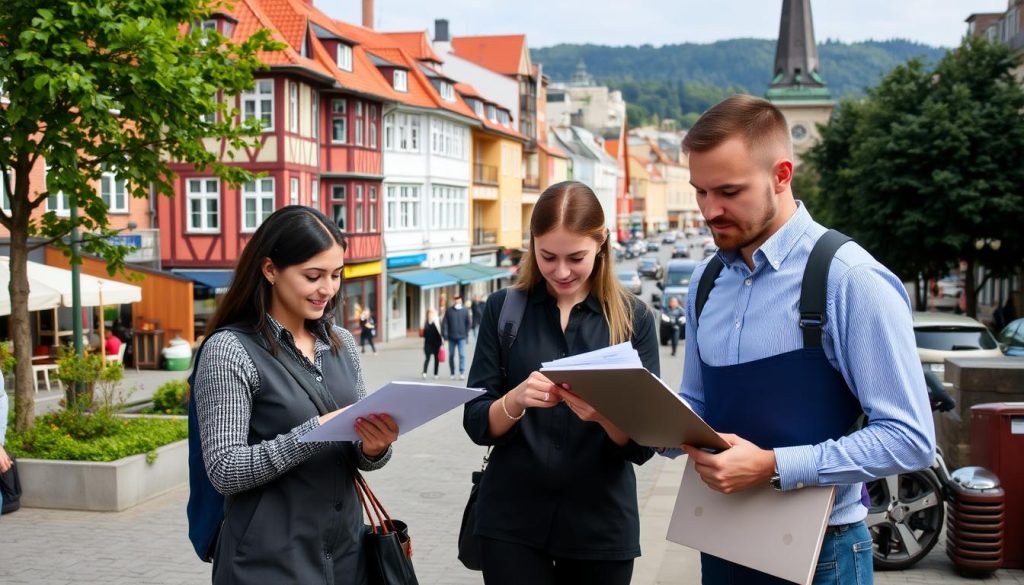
{"x": 546, "y": 396}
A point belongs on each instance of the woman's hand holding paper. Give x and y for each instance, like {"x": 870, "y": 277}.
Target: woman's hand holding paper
{"x": 377, "y": 432}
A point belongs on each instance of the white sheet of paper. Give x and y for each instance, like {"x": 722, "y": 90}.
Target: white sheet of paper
{"x": 621, "y": 355}
{"x": 411, "y": 404}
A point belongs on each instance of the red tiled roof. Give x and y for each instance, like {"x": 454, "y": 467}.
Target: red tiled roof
{"x": 611, "y": 146}
{"x": 416, "y": 44}
{"x": 499, "y": 53}
{"x": 251, "y": 17}
{"x": 467, "y": 90}
{"x": 552, "y": 150}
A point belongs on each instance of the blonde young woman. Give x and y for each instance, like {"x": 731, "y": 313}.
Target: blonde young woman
{"x": 557, "y": 503}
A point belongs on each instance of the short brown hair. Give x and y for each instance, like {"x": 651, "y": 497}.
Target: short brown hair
{"x": 757, "y": 121}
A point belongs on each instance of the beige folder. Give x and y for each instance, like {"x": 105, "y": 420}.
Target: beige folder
{"x": 779, "y": 533}
{"x": 640, "y": 404}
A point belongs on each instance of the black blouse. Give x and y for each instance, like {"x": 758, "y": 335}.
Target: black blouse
{"x": 555, "y": 482}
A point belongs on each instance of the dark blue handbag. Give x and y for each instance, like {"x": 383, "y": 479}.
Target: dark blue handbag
{"x": 205, "y": 507}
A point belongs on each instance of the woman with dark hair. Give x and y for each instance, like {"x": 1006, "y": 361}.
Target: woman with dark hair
{"x": 557, "y": 502}
{"x": 291, "y": 513}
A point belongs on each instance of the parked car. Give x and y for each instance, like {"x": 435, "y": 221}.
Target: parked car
{"x": 634, "y": 248}
{"x": 618, "y": 251}
{"x": 650, "y": 267}
{"x": 680, "y": 250}
{"x": 631, "y": 281}
{"x": 668, "y": 238}
{"x": 1011, "y": 338}
{"x": 653, "y": 245}
{"x": 942, "y": 335}
{"x": 950, "y": 286}
{"x": 677, "y": 279}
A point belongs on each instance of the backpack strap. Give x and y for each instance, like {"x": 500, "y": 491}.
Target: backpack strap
{"x": 512, "y": 309}
{"x": 707, "y": 282}
{"x": 815, "y": 286}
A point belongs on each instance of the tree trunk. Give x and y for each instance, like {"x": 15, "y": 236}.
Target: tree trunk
{"x": 972, "y": 295}
{"x": 24, "y": 395}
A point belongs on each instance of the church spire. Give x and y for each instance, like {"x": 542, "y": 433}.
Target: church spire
{"x": 797, "y": 74}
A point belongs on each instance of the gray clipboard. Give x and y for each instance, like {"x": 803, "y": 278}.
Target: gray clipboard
{"x": 640, "y": 404}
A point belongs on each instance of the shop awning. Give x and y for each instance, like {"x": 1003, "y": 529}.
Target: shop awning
{"x": 425, "y": 278}
{"x": 93, "y": 291}
{"x": 216, "y": 280}
{"x": 472, "y": 272}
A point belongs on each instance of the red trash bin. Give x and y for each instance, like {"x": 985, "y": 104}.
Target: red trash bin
{"x": 997, "y": 442}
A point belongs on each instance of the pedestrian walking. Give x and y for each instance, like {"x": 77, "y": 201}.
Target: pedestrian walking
{"x": 292, "y": 514}
{"x": 557, "y": 502}
{"x": 431, "y": 341}
{"x": 477, "y": 311}
{"x": 677, "y": 316}
{"x": 455, "y": 328}
{"x": 792, "y": 332}
{"x": 367, "y": 331}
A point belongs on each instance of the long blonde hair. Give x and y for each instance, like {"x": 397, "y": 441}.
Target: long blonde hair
{"x": 573, "y": 205}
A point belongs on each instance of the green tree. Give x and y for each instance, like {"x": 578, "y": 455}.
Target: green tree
{"x": 107, "y": 84}
{"x": 928, "y": 164}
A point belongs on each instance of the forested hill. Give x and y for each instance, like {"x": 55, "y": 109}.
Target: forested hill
{"x": 679, "y": 81}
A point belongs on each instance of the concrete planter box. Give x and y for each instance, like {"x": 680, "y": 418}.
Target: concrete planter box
{"x": 102, "y": 486}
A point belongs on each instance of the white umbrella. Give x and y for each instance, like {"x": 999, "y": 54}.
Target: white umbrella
{"x": 59, "y": 279}
{"x": 40, "y": 296}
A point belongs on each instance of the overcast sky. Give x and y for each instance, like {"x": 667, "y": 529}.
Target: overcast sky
{"x": 660, "y": 22}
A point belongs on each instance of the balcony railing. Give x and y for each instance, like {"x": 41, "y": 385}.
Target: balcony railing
{"x": 485, "y": 174}
{"x": 532, "y": 183}
{"x": 482, "y": 237}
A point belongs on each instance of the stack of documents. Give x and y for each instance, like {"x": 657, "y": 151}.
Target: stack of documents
{"x": 614, "y": 381}
{"x": 411, "y": 404}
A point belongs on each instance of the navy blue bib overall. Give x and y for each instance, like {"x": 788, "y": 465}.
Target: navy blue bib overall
{"x": 791, "y": 399}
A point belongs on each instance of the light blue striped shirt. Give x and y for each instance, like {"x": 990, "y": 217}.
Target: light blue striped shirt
{"x": 868, "y": 338}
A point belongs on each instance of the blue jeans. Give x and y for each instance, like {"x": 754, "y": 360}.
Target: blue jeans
{"x": 845, "y": 559}
{"x": 461, "y": 345}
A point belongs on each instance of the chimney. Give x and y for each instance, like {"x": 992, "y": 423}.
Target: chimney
{"x": 368, "y": 13}
{"x": 441, "y": 30}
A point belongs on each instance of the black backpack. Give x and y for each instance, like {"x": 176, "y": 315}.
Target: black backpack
{"x": 10, "y": 486}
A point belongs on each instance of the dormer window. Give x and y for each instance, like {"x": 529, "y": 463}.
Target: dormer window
{"x": 478, "y": 108}
{"x": 504, "y": 118}
{"x": 344, "y": 57}
{"x": 492, "y": 113}
{"x": 208, "y": 25}
{"x": 401, "y": 80}
{"x": 447, "y": 91}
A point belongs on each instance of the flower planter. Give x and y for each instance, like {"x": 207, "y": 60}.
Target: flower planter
{"x": 102, "y": 486}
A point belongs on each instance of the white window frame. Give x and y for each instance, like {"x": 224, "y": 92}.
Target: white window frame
{"x": 402, "y": 132}
{"x": 314, "y": 193}
{"x": 340, "y": 202}
{"x": 57, "y": 202}
{"x": 293, "y": 106}
{"x": 372, "y": 127}
{"x": 339, "y": 113}
{"x": 315, "y": 115}
{"x": 111, "y": 199}
{"x": 294, "y": 190}
{"x": 360, "y": 211}
{"x": 373, "y": 208}
{"x": 403, "y": 207}
{"x": 401, "y": 80}
{"x": 447, "y": 91}
{"x": 448, "y": 139}
{"x": 359, "y": 125}
{"x": 5, "y": 200}
{"x": 208, "y": 205}
{"x": 344, "y": 57}
{"x": 448, "y": 207}
{"x": 261, "y": 98}
{"x": 259, "y": 192}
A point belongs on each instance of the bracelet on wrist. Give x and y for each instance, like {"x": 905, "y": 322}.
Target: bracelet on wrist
{"x": 507, "y": 413}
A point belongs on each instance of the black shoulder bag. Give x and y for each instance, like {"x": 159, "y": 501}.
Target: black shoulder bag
{"x": 512, "y": 309}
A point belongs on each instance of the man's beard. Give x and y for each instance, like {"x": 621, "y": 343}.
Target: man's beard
{"x": 746, "y": 237}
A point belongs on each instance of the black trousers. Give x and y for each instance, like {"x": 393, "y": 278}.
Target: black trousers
{"x": 507, "y": 563}
{"x": 426, "y": 359}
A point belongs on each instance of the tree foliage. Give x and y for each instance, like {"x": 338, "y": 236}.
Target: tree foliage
{"x": 929, "y": 163}
{"x": 122, "y": 85}
{"x": 673, "y": 81}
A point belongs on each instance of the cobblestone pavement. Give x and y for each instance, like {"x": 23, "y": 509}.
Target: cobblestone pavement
{"x": 426, "y": 485}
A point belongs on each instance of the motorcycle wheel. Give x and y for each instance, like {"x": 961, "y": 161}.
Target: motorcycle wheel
{"x": 905, "y": 518}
